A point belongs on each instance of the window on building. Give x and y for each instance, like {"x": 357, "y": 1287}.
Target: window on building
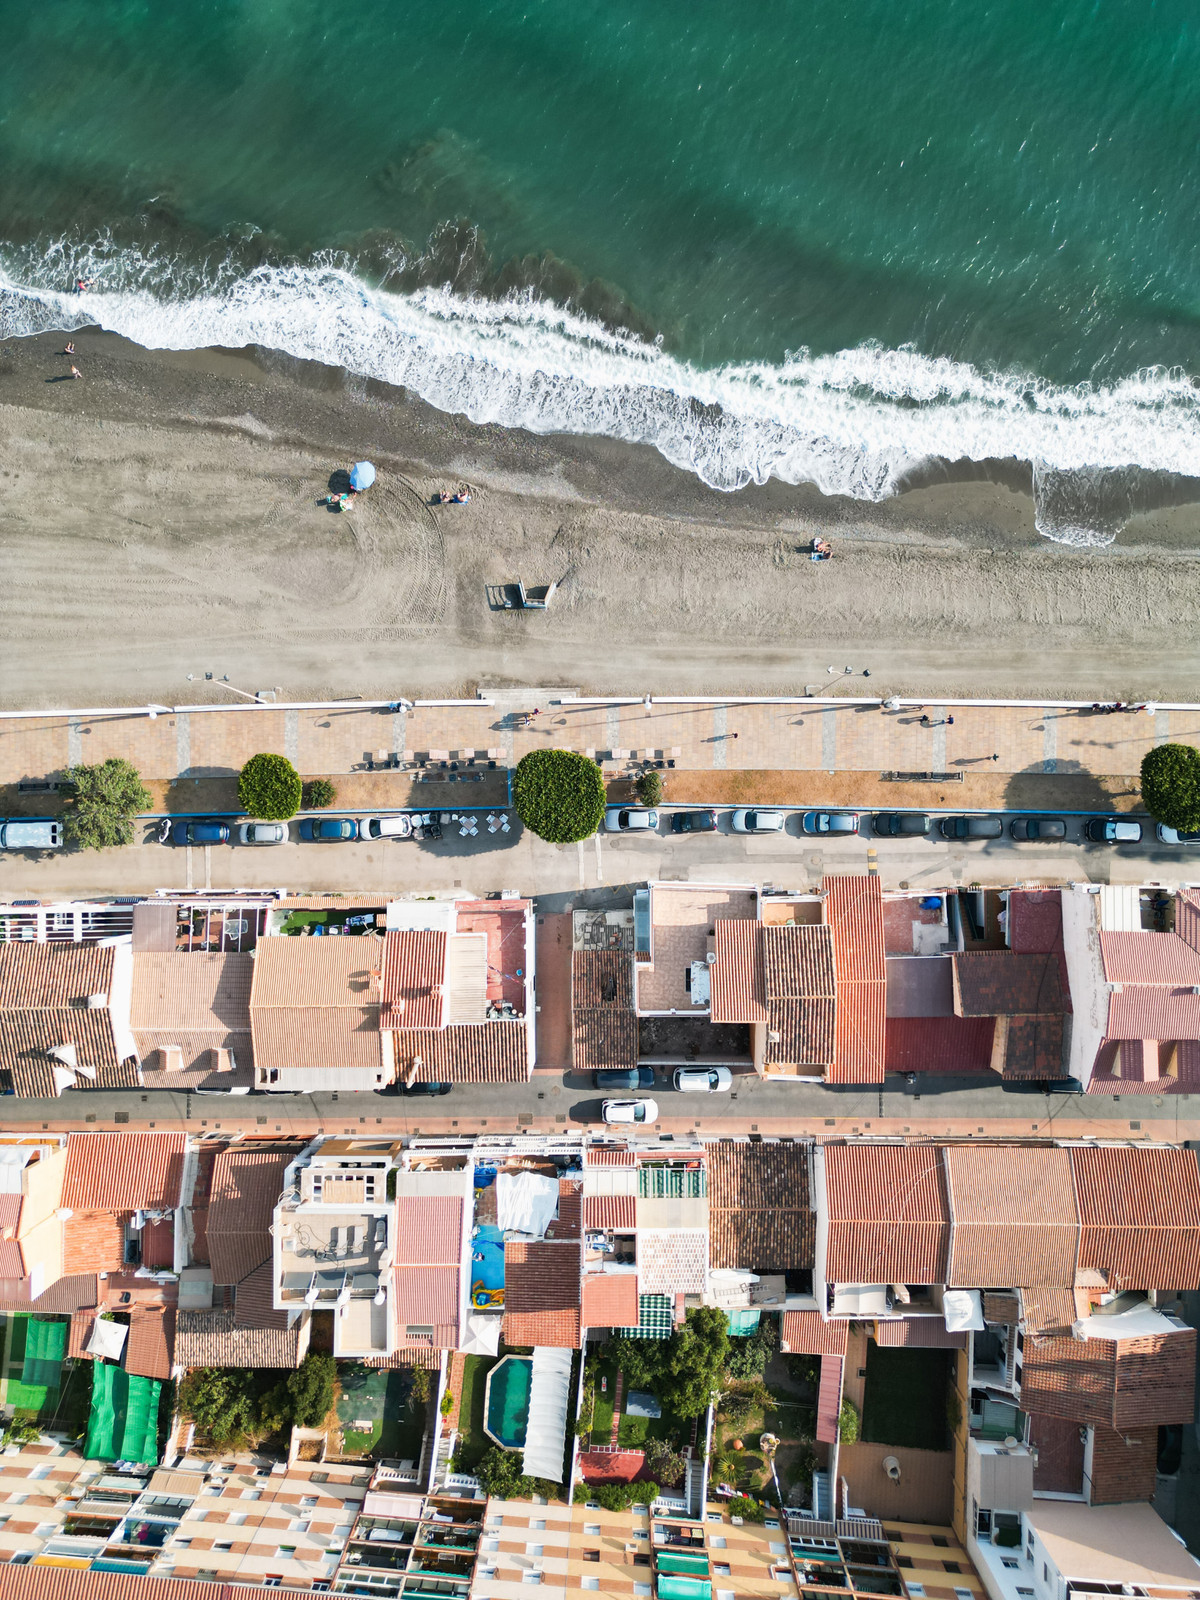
{"x": 182, "y": 1544}
{"x": 42, "y": 1471}
{"x": 533, "y": 1549}
{"x": 321, "y": 1588}
{"x": 491, "y": 1542}
{"x": 778, "y": 1549}
{"x": 717, "y": 1542}
{"x": 951, "y": 1566}
{"x": 318, "y": 1477}
{"x": 4, "y": 1516}
{"x": 1045, "y": 1569}
{"x": 725, "y": 1594}
{"x": 962, "y": 1594}
{"x": 591, "y": 1555}
{"x": 342, "y": 1531}
{"x": 531, "y": 1577}
{"x": 593, "y": 1528}
{"x": 207, "y": 1574}
{"x": 307, "y": 1502}
{"x": 223, "y": 1544}
{"x": 236, "y": 1520}
{"x": 1007, "y": 1561}
{"x": 915, "y": 1588}
{"x": 273, "y": 1580}
{"x": 286, "y": 1552}
{"x": 715, "y": 1516}
{"x": 939, "y": 1541}
{"x": 21, "y": 1559}
{"x": 537, "y": 1524}
{"x": 592, "y": 1505}
{"x": 642, "y": 1590}
{"x": 251, "y": 1494}
{"x": 198, "y": 1516}
{"x": 722, "y": 1569}
{"x": 767, "y": 1524}
{"x": 299, "y": 1525}
{"x": 589, "y": 1583}
{"x": 487, "y": 1573}
{"x": 641, "y": 1560}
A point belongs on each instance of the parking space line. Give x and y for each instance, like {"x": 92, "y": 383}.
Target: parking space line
{"x": 189, "y": 884}
{"x": 582, "y": 877}
{"x": 208, "y": 866}
{"x": 599, "y": 860}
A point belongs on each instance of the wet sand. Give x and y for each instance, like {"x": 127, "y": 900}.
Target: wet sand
{"x": 159, "y": 518}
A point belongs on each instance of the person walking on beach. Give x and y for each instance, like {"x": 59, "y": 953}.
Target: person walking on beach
{"x": 75, "y": 373}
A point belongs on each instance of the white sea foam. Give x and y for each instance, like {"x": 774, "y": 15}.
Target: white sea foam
{"x": 852, "y": 423}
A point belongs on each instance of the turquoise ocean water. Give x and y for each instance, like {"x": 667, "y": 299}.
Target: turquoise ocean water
{"x": 823, "y": 242}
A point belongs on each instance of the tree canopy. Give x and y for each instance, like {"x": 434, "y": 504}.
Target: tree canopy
{"x": 559, "y": 795}
{"x": 270, "y": 787}
{"x": 682, "y": 1371}
{"x": 103, "y": 802}
{"x": 232, "y": 1404}
{"x": 1171, "y": 785}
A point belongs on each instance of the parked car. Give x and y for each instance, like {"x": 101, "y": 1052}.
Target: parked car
{"x": 630, "y": 819}
{"x": 197, "y": 830}
{"x": 744, "y": 821}
{"x": 623, "y": 1078}
{"x": 385, "y": 827}
{"x": 1166, "y": 835}
{"x": 1038, "y": 828}
{"x": 21, "y": 835}
{"x": 328, "y": 829}
{"x": 427, "y": 1088}
{"x": 908, "y": 824}
{"x": 693, "y": 822}
{"x": 630, "y": 1110}
{"x": 971, "y": 828}
{"x": 703, "y": 1080}
{"x": 263, "y": 833}
{"x": 829, "y": 822}
{"x": 1113, "y": 830}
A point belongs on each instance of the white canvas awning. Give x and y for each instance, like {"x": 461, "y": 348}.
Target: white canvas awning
{"x": 963, "y": 1310}
{"x": 107, "y": 1340}
{"x": 525, "y": 1202}
{"x": 483, "y": 1335}
{"x": 549, "y": 1405}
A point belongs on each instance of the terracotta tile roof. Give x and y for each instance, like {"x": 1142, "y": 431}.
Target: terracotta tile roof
{"x": 429, "y": 1297}
{"x": 1131, "y": 1383}
{"x": 1140, "y": 1216}
{"x": 604, "y": 1028}
{"x": 43, "y": 1002}
{"x": 806, "y": 1333}
{"x": 1151, "y": 958}
{"x": 1000, "y": 983}
{"x": 610, "y": 1211}
{"x": 672, "y": 1260}
{"x": 62, "y": 1583}
{"x": 800, "y": 988}
{"x": 938, "y": 1044}
{"x": 918, "y": 1333}
{"x": 212, "y": 1339}
{"x": 1029, "y": 1046}
{"x": 12, "y": 1259}
{"x": 1148, "y": 1011}
{"x": 610, "y": 1300}
{"x": 314, "y": 1003}
{"x": 70, "y": 1293}
{"x": 1048, "y": 1310}
{"x": 1013, "y": 1217}
{"x": 484, "y": 1052}
{"x": 414, "y": 976}
{"x": 1124, "y": 1467}
{"x": 566, "y": 1224}
{"x": 429, "y": 1231}
{"x": 1187, "y": 917}
{"x": 737, "y": 980}
{"x": 246, "y": 1185}
{"x": 829, "y": 1398}
{"x": 254, "y": 1301}
{"x": 889, "y": 1218}
{"x": 1002, "y": 1309}
{"x": 123, "y": 1172}
{"x": 542, "y": 1294}
{"x": 199, "y": 1002}
{"x": 80, "y": 1331}
{"x": 148, "y": 1344}
{"x": 854, "y": 913}
{"x": 94, "y": 1239}
{"x": 1059, "y": 1465}
{"x": 760, "y": 1216}
{"x": 1035, "y": 921}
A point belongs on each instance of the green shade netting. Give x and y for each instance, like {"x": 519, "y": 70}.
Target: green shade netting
{"x": 694, "y": 1566}
{"x": 123, "y": 1425}
{"x": 683, "y": 1589}
{"x": 45, "y": 1344}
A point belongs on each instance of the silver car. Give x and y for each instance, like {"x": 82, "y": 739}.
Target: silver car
{"x": 750, "y": 820}
{"x": 263, "y": 833}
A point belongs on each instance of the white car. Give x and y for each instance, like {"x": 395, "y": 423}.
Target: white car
{"x": 630, "y": 1110}
{"x": 757, "y": 821}
{"x": 262, "y": 833}
{"x": 703, "y": 1080}
{"x": 629, "y": 819}
{"x": 385, "y": 827}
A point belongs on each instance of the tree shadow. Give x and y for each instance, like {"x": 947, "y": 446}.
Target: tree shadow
{"x": 1069, "y": 787}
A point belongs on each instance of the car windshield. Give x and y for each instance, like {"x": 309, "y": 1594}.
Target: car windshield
{"x": 639, "y": 1113}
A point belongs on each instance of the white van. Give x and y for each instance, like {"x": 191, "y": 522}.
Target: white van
{"x": 20, "y": 835}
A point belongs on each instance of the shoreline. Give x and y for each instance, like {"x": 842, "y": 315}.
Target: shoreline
{"x": 172, "y": 494}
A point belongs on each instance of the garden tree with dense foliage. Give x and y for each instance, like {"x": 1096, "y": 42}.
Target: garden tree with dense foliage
{"x": 849, "y": 1422}
{"x": 649, "y": 788}
{"x": 103, "y": 802}
{"x": 499, "y": 1472}
{"x": 559, "y": 795}
{"x": 748, "y": 1357}
{"x": 310, "y": 1390}
{"x": 616, "y": 1496}
{"x": 269, "y": 787}
{"x": 318, "y": 792}
{"x": 231, "y": 1404}
{"x": 743, "y": 1506}
{"x": 665, "y": 1463}
{"x": 1171, "y": 785}
{"x": 682, "y": 1371}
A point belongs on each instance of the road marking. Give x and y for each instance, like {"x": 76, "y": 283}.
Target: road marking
{"x": 188, "y": 884}
{"x": 599, "y": 861}
{"x": 1049, "y": 741}
{"x": 872, "y": 861}
{"x": 582, "y": 877}
{"x": 829, "y": 738}
{"x": 208, "y": 866}
{"x": 720, "y": 737}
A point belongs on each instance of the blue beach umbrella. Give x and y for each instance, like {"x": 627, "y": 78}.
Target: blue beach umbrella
{"x": 362, "y": 475}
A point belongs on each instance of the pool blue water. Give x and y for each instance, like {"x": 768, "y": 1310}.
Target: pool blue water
{"x": 487, "y": 1258}
{"x": 508, "y": 1399}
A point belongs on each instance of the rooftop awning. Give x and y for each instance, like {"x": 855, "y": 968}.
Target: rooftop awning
{"x": 549, "y": 1404}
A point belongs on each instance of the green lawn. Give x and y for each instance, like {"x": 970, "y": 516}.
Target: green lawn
{"x": 602, "y": 1413}
{"x": 790, "y": 1416}
{"x": 332, "y": 919}
{"x": 905, "y": 1397}
{"x": 378, "y": 1413}
{"x": 472, "y": 1441}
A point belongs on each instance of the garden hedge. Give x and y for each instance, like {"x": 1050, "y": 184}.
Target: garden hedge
{"x": 559, "y": 795}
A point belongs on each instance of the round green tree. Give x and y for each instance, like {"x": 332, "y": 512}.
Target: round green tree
{"x": 649, "y": 788}
{"x": 269, "y": 787}
{"x": 559, "y": 795}
{"x": 1171, "y": 785}
{"x": 103, "y": 801}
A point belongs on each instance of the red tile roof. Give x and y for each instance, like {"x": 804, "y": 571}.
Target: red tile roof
{"x": 800, "y": 987}
{"x": 43, "y": 994}
{"x": 198, "y": 1001}
{"x": 938, "y": 1044}
{"x": 246, "y": 1185}
{"x": 1048, "y": 1311}
{"x": 1140, "y": 1215}
{"x": 1001, "y": 983}
{"x": 1153, "y": 958}
{"x": 604, "y": 1027}
{"x": 889, "y": 1218}
{"x": 314, "y": 1003}
{"x": 919, "y": 1333}
{"x": 123, "y": 1172}
{"x": 1187, "y": 917}
{"x": 1131, "y": 1383}
{"x": 1124, "y": 1466}
{"x": 736, "y": 979}
{"x": 542, "y": 1294}
{"x": 484, "y": 1052}
{"x": 213, "y": 1339}
{"x": 428, "y": 1231}
{"x": 610, "y": 1156}
{"x": 829, "y": 1398}
{"x": 414, "y": 976}
{"x": 1059, "y": 1465}
{"x": 1035, "y": 921}
{"x": 1013, "y": 1216}
{"x": 760, "y": 1216}
{"x": 806, "y": 1333}
{"x": 854, "y": 912}
{"x": 429, "y": 1297}
{"x": 610, "y": 1300}
{"x": 1148, "y": 1011}
{"x": 610, "y": 1211}
{"x": 149, "y": 1342}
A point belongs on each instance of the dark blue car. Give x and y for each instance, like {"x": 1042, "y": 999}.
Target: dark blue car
{"x": 195, "y": 830}
{"x": 328, "y": 829}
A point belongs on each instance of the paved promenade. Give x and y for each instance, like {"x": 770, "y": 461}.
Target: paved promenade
{"x": 987, "y": 743}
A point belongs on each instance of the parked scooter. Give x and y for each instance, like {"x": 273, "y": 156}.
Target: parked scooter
{"x": 164, "y": 831}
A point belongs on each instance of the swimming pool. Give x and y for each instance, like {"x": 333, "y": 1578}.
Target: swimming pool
{"x": 487, "y": 1266}
{"x": 506, "y": 1401}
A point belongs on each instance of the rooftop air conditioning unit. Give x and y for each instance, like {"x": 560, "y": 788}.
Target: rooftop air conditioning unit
{"x": 711, "y": 958}
{"x": 775, "y": 1037}
{"x": 97, "y": 1002}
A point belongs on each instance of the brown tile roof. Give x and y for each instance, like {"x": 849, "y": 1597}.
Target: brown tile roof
{"x": 1013, "y": 1216}
{"x": 889, "y": 1218}
{"x": 1124, "y": 1466}
{"x": 70, "y": 1293}
{"x": 737, "y": 981}
{"x": 604, "y": 1029}
{"x": 1035, "y": 921}
{"x": 1000, "y": 983}
{"x": 148, "y": 1344}
{"x": 1131, "y": 1383}
{"x": 1140, "y": 1216}
{"x": 760, "y": 1216}
{"x": 199, "y": 1002}
{"x": 246, "y": 1185}
{"x": 429, "y": 1297}
{"x": 1048, "y": 1311}
{"x": 123, "y": 1172}
{"x": 610, "y": 1300}
{"x": 806, "y": 1333}
{"x": 314, "y": 1003}
{"x": 938, "y": 1044}
{"x": 414, "y": 976}
{"x": 919, "y": 1333}
{"x": 94, "y": 1239}
{"x": 1059, "y": 1465}
{"x": 1162, "y": 959}
{"x": 254, "y": 1301}
{"x": 798, "y": 961}
{"x": 610, "y": 1211}
{"x": 80, "y": 1331}
{"x": 428, "y": 1230}
{"x": 854, "y": 913}
{"x": 1002, "y": 1309}
{"x": 43, "y": 1002}
{"x": 483, "y": 1052}
{"x": 212, "y": 1339}
{"x": 542, "y": 1294}
{"x": 1029, "y": 1047}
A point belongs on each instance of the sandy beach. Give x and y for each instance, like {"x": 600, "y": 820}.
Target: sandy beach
{"x": 159, "y": 518}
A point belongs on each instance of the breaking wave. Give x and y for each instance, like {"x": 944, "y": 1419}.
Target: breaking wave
{"x": 853, "y": 423}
